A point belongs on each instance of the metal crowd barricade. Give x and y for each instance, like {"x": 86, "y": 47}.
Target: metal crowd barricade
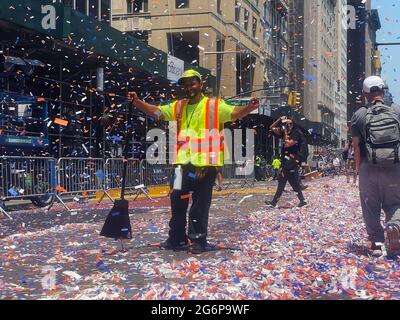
{"x": 79, "y": 176}
{"x": 113, "y": 170}
{"x": 26, "y": 178}
{"x": 245, "y": 178}
{"x": 227, "y": 175}
{"x": 156, "y": 174}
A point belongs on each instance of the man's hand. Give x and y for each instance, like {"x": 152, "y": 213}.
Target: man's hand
{"x": 133, "y": 97}
{"x": 254, "y": 104}
{"x": 147, "y": 108}
{"x": 241, "y": 112}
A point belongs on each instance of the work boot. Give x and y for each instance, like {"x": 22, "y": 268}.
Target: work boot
{"x": 302, "y": 204}
{"x": 197, "y": 248}
{"x": 392, "y": 239}
{"x": 272, "y": 204}
{"x": 376, "y": 250}
{"x": 303, "y": 187}
{"x": 167, "y": 245}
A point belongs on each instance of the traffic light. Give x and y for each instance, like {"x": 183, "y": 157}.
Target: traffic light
{"x": 298, "y": 99}
{"x": 291, "y": 98}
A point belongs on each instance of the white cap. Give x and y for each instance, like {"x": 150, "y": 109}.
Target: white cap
{"x": 373, "y": 82}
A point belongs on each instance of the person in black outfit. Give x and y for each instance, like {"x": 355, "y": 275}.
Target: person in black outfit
{"x": 286, "y": 129}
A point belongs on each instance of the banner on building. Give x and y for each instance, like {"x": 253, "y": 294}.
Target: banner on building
{"x": 175, "y": 68}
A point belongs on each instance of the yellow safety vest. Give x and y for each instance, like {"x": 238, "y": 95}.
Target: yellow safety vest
{"x": 204, "y": 148}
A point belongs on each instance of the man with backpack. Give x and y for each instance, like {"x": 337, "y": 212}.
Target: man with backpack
{"x": 376, "y": 141}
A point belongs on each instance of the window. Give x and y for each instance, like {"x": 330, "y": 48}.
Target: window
{"x": 181, "y": 4}
{"x": 254, "y": 27}
{"x": 237, "y": 11}
{"x": 80, "y": 5}
{"x": 283, "y": 24}
{"x": 94, "y": 9}
{"x": 185, "y": 46}
{"x": 142, "y": 35}
{"x": 219, "y": 11}
{"x": 246, "y": 19}
{"x": 105, "y": 10}
{"x": 267, "y": 12}
{"x": 135, "y": 6}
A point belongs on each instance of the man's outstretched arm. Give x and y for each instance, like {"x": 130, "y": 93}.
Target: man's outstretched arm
{"x": 241, "y": 112}
{"x": 147, "y": 108}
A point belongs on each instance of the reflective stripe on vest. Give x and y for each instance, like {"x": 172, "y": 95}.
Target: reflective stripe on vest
{"x": 212, "y": 144}
{"x": 180, "y": 105}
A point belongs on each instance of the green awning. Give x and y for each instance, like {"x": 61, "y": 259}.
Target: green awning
{"x": 90, "y": 35}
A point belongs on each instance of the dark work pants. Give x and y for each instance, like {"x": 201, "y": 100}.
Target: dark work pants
{"x": 291, "y": 176}
{"x": 200, "y": 189}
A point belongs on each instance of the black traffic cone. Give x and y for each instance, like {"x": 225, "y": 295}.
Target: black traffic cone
{"x": 117, "y": 224}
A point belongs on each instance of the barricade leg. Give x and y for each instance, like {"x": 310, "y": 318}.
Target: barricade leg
{"x": 105, "y": 193}
{"x": 59, "y": 200}
{"x": 4, "y": 212}
{"x": 141, "y": 189}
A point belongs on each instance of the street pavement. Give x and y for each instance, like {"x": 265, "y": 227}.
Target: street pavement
{"x": 318, "y": 252}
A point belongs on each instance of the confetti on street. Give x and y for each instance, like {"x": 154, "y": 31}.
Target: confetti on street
{"x": 319, "y": 252}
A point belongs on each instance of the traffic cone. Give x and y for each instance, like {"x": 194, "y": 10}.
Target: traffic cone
{"x": 118, "y": 225}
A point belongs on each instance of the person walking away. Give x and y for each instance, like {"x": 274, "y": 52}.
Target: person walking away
{"x": 350, "y": 163}
{"x": 336, "y": 166}
{"x": 376, "y": 139}
{"x": 199, "y": 119}
{"x": 276, "y": 164}
{"x": 257, "y": 165}
{"x": 286, "y": 129}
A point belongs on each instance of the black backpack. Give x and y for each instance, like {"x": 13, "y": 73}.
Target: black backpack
{"x": 382, "y": 136}
{"x": 303, "y": 149}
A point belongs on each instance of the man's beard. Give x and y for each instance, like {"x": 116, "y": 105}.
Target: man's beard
{"x": 192, "y": 95}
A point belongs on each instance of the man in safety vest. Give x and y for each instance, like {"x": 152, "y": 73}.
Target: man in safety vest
{"x": 198, "y": 153}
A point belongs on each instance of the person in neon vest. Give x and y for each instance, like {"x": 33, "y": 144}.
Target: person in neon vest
{"x": 199, "y": 152}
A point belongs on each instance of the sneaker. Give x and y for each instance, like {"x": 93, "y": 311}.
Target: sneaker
{"x": 167, "y": 245}
{"x": 392, "y": 239}
{"x": 272, "y": 204}
{"x": 376, "y": 250}
{"x": 303, "y": 187}
{"x": 197, "y": 248}
{"x": 302, "y": 204}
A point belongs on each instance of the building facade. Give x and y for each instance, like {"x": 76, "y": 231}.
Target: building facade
{"x": 319, "y": 64}
{"x": 223, "y": 36}
{"x": 363, "y": 58}
{"x": 97, "y": 9}
{"x": 340, "y": 123}
{"x": 276, "y": 47}
{"x": 296, "y": 48}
